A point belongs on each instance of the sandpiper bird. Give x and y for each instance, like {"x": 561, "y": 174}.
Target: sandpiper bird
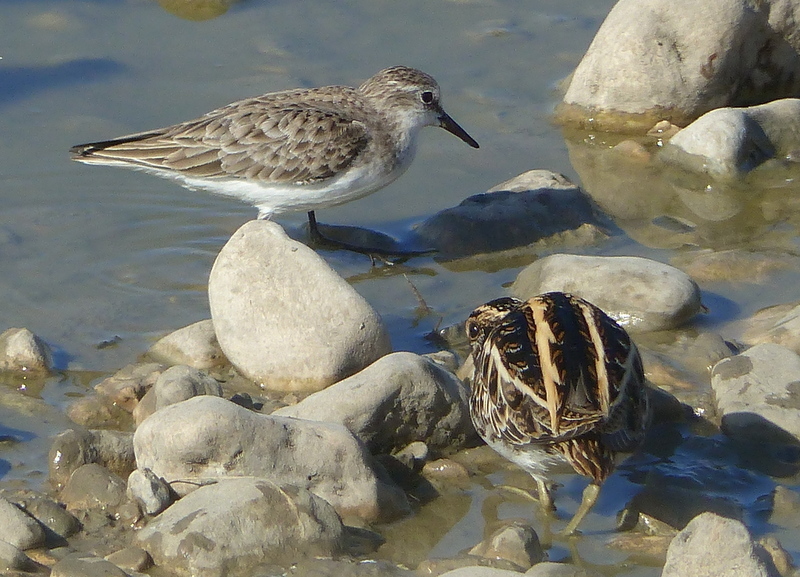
{"x": 556, "y": 379}
{"x": 295, "y": 150}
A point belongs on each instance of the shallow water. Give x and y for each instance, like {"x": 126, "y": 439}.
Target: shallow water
{"x": 100, "y": 262}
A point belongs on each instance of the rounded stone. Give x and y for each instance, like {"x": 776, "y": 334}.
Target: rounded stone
{"x": 639, "y": 293}
{"x": 284, "y": 317}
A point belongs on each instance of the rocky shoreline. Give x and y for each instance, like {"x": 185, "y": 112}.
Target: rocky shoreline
{"x": 286, "y": 436}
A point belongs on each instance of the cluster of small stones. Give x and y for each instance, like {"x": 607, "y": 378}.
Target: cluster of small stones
{"x": 272, "y": 440}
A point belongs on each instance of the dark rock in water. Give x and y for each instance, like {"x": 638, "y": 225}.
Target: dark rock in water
{"x": 526, "y": 209}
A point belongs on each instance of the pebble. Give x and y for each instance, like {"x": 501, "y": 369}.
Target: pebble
{"x": 19, "y": 529}
{"x": 176, "y": 384}
{"x": 128, "y": 385}
{"x": 12, "y": 559}
{"x": 51, "y": 514}
{"x": 131, "y": 559}
{"x": 284, "y": 318}
{"x": 151, "y": 491}
{"x": 195, "y": 345}
{"x": 516, "y": 542}
{"x": 22, "y": 351}
{"x": 93, "y": 486}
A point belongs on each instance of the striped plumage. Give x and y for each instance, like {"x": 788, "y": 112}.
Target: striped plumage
{"x": 556, "y": 379}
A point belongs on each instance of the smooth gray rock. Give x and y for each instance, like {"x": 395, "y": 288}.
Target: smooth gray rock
{"x": 93, "y": 486}
{"x": 727, "y": 142}
{"x": 677, "y": 59}
{"x": 174, "y": 385}
{"x": 779, "y": 324}
{"x": 207, "y": 438}
{"x": 131, "y": 559}
{"x": 547, "y": 569}
{"x": 639, "y": 293}
{"x": 12, "y": 559}
{"x": 722, "y": 142}
{"x": 530, "y": 207}
{"x": 756, "y": 392}
{"x": 710, "y": 546}
{"x": 151, "y": 491}
{"x": 399, "y": 399}
{"x": 231, "y": 527}
{"x": 284, "y": 317}
{"x": 19, "y": 529}
{"x": 85, "y": 565}
{"x": 76, "y": 447}
{"x": 515, "y": 542}
{"x": 22, "y": 351}
{"x": 47, "y": 512}
{"x": 478, "y": 571}
{"x": 195, "y": 345}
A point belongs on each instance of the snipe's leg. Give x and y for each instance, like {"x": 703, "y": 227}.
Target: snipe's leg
{"x": 318, "y": 238}
{"x": 590, "y": 494}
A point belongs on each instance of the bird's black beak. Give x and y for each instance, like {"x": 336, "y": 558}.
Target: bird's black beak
{"x": 452, "y": 127}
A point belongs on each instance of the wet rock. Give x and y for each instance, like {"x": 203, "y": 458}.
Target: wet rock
{"x": 12, "y": 559}
{"x": 151, "y": 491}
{"x": 414, "y": 455}
{"x": 532, "y": 206}
{"x": 22, "y": 351}
{"x": 639, "y": 293}
{"x": 781, "y": 559}
{"x": 174, "y": 385}
{"x": 76, "y": 447}
{"x": 737, "y": 265}
{"x": 284, "y": 318}
{"x": 201, "y": 533}
{"x": 347, "y": 568}
{"x": 128, "y": 385}
{"x": 712, "y": 545}
{"x": 131, "y": 559}
{"x": 399, "y": 399}
{"x": 85, "y": 565}
{"x": 731, "y": 141}
{"x": 785, "y": 508}
{"x": 18, "y": 528}
{"x": 478, "y": 571}
{"x": 208, "y": 437}
{"x": 50, "y": 514}
{"x": 546, "y": 569}
{"x": 195, "y": 345}
{"x": 95, "y": 411}
{"x": 446, "y": 471}
{"x": 757, "y": 394}
{"x": 516, "y": 542}
{"x": 92, "y": 486}
{"x": 676, "y": 60}
{"x": 779, "y": 324}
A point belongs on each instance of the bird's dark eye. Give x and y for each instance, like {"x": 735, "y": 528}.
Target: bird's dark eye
{"x": 426, "y": 97}
{"x": 472, "y": 331}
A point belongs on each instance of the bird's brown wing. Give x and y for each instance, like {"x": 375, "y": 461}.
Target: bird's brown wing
{"x": 288, "y": 137}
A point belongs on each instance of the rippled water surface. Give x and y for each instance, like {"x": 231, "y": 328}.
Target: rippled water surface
{"x": 94, "y": 256}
